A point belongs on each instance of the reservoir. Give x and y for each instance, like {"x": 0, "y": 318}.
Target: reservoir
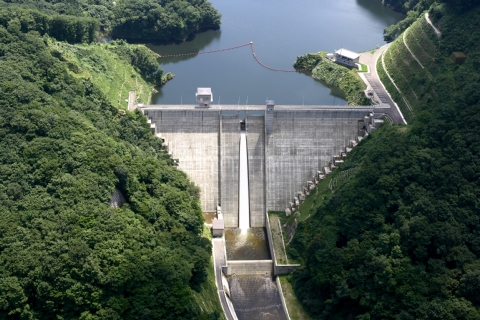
{"x": 281, "y": 30}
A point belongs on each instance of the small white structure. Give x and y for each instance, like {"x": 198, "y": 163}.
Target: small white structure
{"x": 218, "y": 225}
{"x": 204, "y": 97}
{"x": 347, "y": 57}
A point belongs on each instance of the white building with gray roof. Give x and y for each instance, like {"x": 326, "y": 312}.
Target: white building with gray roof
{"x": 346, "y": 57}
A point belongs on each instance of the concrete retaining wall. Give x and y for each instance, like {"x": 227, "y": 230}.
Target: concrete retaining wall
{"x": 249, "y": 267}
{"x": 285, "y": 268}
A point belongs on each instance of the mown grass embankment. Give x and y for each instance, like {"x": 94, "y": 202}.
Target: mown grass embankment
{"x": 415, "y": 79}
{"x": 295, "y": 308}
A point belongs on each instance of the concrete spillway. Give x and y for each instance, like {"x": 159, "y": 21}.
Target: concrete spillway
{"x": 256, "y": 297}
{"x": 243, "y": 196}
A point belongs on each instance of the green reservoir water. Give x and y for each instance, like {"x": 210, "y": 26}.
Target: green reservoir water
{"x": 281, "y": 30}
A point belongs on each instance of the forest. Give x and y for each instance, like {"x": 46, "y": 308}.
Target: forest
{"x": 400, "y": 238}
{"x": 413, "y": 8}
{"x": 133, "y": 20}
{"x": 65, "y": 253}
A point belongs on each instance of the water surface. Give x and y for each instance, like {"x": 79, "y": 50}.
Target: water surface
{"x": 249, "y": 244}
{"x": 256, "y": 297}
{"x": 281, "y": 30}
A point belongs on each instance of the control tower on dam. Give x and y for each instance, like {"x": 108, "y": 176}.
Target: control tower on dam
{"x": 286, "y": 146}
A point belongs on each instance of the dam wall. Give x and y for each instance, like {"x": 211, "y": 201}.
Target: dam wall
{"x": 301, "y": 143}
{"x": 193, "y": 137}
{"x": 286, "y": 146}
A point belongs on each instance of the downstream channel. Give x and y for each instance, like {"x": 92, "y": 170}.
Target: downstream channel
{"x": 281, "y": 30}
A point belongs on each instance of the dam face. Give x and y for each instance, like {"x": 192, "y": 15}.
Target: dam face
{"x": 286, "y": 146}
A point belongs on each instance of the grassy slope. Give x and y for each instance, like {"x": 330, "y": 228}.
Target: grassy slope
{"x": 344, "y": 78}
{"x": 114, "y": 76}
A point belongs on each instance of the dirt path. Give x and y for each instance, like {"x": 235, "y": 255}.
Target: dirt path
{"x": 437, "y": 32}
{"x": 406, "y": 46}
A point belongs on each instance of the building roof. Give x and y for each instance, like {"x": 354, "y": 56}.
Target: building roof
{"x": 218, "y": 224}
{"x": 347, "y": 54}
{"x": 204, "y": 91}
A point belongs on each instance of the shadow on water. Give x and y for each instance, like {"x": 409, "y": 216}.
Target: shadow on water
{"x": 194, "y": 44}
{"x": 251, "y": 244}
{"x": 256, "y": 297}
{"x": 381, "y": 12}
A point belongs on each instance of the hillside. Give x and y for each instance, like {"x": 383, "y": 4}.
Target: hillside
{"x": 400, "y": 238}
{"x": 65, "y": 252}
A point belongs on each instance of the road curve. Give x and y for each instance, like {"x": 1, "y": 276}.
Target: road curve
{"x": 374, "y": 82}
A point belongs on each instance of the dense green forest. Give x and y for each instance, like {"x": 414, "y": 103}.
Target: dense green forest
{"x": 400, "y": 238}
{"x": 138, "y": 20}
{"x": 413, "y": 9}
{"x": 64, "y": 252}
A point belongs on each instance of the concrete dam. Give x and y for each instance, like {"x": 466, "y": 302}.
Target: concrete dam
{"x": 286, "y": 146}
{"x": 248, "y": 160}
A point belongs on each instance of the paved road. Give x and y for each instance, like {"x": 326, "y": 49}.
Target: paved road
{"x": 372, "y": 78}
{"x": 219, "y": 261}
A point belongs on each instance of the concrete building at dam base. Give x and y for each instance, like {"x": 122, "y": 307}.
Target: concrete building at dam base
{"x": 288, "y": 148}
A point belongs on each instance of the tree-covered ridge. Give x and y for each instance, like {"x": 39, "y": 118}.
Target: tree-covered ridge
{"x": 400, "y": 238}
{"x": 64, "y": 252}
{"x": 61, "y": 27}
{"x": 414, "y": 8}
{"x": 140, "y": 20}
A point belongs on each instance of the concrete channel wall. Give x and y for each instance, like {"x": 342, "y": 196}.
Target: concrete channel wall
{"x": 249, "y": 267}
{"x": 230, "y": 158}
{"x": 255, "y": 127}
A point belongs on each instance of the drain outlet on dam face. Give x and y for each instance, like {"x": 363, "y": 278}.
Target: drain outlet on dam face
{"x": 242, "y": 125}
